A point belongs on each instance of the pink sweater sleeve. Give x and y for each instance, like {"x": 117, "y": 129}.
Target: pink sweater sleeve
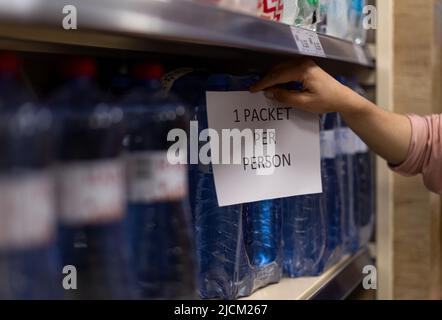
{"x": 425, "y": 154}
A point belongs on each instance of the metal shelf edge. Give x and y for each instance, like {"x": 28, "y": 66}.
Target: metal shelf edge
{"x": 335, "y": 284}
{"x": 173, "y": 21}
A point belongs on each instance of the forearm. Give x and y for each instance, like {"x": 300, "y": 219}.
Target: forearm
{"x": 386, "y": 133}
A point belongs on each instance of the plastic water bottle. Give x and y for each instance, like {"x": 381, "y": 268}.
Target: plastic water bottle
{"x": 338, "y": 24}
{"x": 308, "y": 14}
{"x": 358, "y": 33}
{"x": 159, "y": 215}
{"x": 29, "y": 265}
{"x": 323, "y": 16}
{"x": 262, "y": 223}
{"x": 347, "y": 183}
{"x": 304, "y": 234}
{"x": 91, "y": 187}
{"x": 189, "y": 85}
{"x": 291, "y": 11}
{"x": 305, "y": 229}
{"x": 262, "y": 236}
{"x": 364, "y": 202}
{"x": 334, "y": 214}
{"x": 224, "y": 270}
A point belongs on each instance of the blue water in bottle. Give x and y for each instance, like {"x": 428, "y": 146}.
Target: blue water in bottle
{"x": 348, "y": 184}
{"x": 304, "y": 234}
{"x": 305, "y": 229}
{"x": 262, "y": 223}
{"x": 159, "y": 215}
{"x": 313, "y": 224}
{"x": 224, "y": 270}
{"x": 305, "y": 226}
{"x": 364, "y": 197}
{"x": 29, "y": 265}
{"x": 334, "y": 213}
{"x": 262, "y": 236}
{"x": 90, "y": 183}
{"x": 364, "y": 181}
{"x": 346, "y": 149}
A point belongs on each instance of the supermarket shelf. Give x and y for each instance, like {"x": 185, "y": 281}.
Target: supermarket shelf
{"x": 337, "y": 283}
{"x": 128, "y": 24}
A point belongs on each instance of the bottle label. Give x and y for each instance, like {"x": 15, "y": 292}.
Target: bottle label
{"x": 152, "y": 178}
{"x": 328, "y": 144}
{"x": 346, "y": 141}
{"x": 27, "y": 213}
{"x": 91, "y": 192}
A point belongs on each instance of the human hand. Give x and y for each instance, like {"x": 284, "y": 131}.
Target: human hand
{"x": 321, "y": 92}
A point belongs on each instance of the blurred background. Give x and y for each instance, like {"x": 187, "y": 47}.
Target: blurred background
{"x": 90, "y": 208}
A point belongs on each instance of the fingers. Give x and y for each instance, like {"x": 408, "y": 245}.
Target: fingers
{"x": 283, "y": 73}
{"x": 298, "y": 100}
{"x": 278, "y": 77}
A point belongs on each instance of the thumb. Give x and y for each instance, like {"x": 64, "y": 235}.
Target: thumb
{"x": 295, "y": 99}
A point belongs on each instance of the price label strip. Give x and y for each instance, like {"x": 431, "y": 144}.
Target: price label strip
{"x": 308, "y": 42}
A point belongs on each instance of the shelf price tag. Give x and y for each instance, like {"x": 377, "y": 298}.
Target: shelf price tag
{"x": 360, "y": 54}
{"x": 308, "y": 42}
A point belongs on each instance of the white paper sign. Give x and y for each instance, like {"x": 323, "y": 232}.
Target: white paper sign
{"x": 308, "y": 42}
{"x": 292, "y": 169}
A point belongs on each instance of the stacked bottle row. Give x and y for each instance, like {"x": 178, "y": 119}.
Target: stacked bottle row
{"x": 244, "y": 247}
{"x": 339, "y": 18}
{"x": 89, "y": 206}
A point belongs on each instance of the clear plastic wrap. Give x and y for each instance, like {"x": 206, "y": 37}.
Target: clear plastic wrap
{"x": 304, "y": 235}
{"x": 334, "y": 213}
{"x": 364, "y": 201}
{"x": 263, "y": 223}
{"x": 238, "y": 247}
{"x": 357, "y": 32}
{"x": 308, "y": 14}
{"x": 338, "y": 23}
